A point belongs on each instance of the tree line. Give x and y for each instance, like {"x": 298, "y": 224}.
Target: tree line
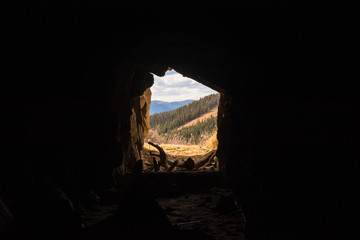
{"x": 165, "y": 122}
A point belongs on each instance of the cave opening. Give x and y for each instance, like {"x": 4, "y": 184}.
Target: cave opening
{"x": 183, "y": 125}
{"x": 191, "y": 196}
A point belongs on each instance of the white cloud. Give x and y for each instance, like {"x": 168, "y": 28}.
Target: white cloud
{"x": 174, "y": 87}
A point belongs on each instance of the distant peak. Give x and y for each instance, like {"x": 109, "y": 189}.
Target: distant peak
{"x": 161, "y": 101}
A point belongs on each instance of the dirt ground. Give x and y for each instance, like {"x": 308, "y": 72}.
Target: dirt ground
{"x": 212, "y": 211}
{"x": 194, "y": 201}
{"x": 178, "y": 149}
{"x": 215, "y": 212}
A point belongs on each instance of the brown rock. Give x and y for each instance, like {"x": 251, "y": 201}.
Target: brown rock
{"x": 145, "y": 101}
{"x": 189, "y": 164}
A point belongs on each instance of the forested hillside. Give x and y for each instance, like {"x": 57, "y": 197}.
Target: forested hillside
{"x": 165, "y": 126}
{"x": 168, "y": 121}
{"x": 196, "y": 133}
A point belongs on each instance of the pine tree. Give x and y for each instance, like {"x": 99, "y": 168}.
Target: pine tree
{"x": 167, "y": 121}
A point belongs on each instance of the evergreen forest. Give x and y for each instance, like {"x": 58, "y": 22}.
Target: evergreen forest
{"x": 166, "y": 124}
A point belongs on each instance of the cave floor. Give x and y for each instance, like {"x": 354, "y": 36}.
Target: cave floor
{"x": 211, "y": 210}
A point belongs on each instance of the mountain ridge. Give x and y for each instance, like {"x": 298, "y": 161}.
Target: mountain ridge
{"x": 158, "y": 106}
{"x": 189, "y": 124}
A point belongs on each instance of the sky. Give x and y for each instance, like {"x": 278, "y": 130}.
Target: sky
{"x": 174, "y": 87}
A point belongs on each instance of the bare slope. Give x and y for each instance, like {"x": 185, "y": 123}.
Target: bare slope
{"x": 213, "y": 112}
{"x": 166, "y": 122}
{"x": 189, "y": 130}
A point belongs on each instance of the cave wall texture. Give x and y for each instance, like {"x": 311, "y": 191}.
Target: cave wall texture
{"x": 72, "y": 85}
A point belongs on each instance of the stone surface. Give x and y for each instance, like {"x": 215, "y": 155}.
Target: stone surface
{"x": 6, "y": 218}
{"x": 132, "y": 99}
{"x": 145, "y": 101}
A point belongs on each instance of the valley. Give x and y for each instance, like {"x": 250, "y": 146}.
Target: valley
{"x": 188, "y": 131}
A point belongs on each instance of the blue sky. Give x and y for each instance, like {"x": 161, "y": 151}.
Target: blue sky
{"x": 174, "y": 87}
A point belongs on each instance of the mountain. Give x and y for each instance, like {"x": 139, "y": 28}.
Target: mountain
{"x": 189, "y": 124}
{"x": 166, "y": 121}
{"x": 157, "y": 106}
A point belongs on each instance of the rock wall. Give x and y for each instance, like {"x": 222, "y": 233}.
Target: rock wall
{"x": 68, "y": 122}
{"x": 132, "y": 103}
{"x": 224, "y": 131}
{"x": 139, "y": 127}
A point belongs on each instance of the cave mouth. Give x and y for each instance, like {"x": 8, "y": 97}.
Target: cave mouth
{"x": 183, "y": 125}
